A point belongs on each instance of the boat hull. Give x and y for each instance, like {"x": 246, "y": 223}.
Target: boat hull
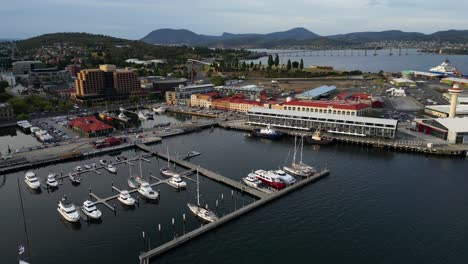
{"x": 323, "y": 141}
{"x": 72, "y": 219}
{"x": 201, "y": 213}
{"x": 256, "y": 133}
{"x": 127, "y": 202}
{"x": 275, "y": 185}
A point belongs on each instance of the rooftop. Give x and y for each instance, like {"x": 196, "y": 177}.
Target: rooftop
{"x": 457, "y": 125}
{"x": 329, "y": 104}
{"x": 89, "y": 124}
{"x": 455, "y": 79}
{"x": 316, "y": 92}
{"x": 190, "y": 87}
{"x": 324, "y": 117}
{"x": 402, "y": 80}
{"x": 245, "y": 88}
{"x": 461, "y": 109}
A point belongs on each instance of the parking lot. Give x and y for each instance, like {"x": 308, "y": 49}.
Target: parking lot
{"x": 56, "y": 127}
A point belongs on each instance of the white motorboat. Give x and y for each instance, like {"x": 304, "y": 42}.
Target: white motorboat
{"x": 68, "y": 210}
{"x": 123, "y": 117}
{"x": 252, "y": 181}
{"x": 177, "y": 182}
{"x": 87, "y": 167}
{"x": 286, "y": 178}
{"x": 78, "y": 169}
{"x": 159, "y": 110}
{"x": 142, "y": 116}
{"x": 90, "y": 210}
{"x": 74, "y": 178}
{"x": 52, "y": 180}
{"x": 199, "y": 211}
{"x": 126, "y": 198}
{"x": 146, "y": 190}
{"x": 93, "y": 165}
{"x": 110, "y": 168}
{"x": 121, "y": 109}
{"x": 103, "y": 162}
{"x": 31, "y": 180}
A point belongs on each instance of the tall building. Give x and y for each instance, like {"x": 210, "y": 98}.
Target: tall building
{"x": 107, "y": 82}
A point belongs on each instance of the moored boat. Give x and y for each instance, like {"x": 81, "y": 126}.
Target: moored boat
{"x": 148, "y": 192}
{"x": 90, "y": 210}
{"x": 199, "y": 211}
{"x": 286, "y": 178}
{"x": 68, "y": 210}
{"x": 52, "y": 180}
{"x": 110, "y": 168}
{"x": 125, "y": 198}
{"x": 31, "y": 180}
{"x": 270, "y": 179}
{"x": 252, "y": 181}
{"x": 317, "y": 138}
{"x": 103, "y": 162}
{"x": 177, "y": 182}
{"x": 267, "y": 132}
{"x": 74, "y": 178}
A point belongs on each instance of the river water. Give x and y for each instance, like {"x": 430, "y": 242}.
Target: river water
{"x": 375, "y": 207}
{"x": 356, "y": 60}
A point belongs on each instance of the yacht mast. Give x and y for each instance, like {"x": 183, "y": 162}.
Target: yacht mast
{"x": 294, "y": 156}
{"x": 302, "y": 146}
{"x": 168, "y": 158}
{"x": 198, "y": 189}
{"x": 24, "y": 221}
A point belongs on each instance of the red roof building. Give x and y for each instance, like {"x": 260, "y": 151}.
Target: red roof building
{"x": 330, "y": 107}
{"x": 90, "y": 126}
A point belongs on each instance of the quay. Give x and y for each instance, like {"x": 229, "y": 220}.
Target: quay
{"x": 191, "y": 113}
{"x": 390, "y": 144}
{"x": 207, "y": 173}
{"x": 146, "y": 256}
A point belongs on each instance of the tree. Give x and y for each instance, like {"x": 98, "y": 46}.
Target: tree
{"x": 301, "y": 66}
{"x": 251, "y": 64}
{"x": 288, "y": 67}
{"x": 270, "y": 61}
{"x": 133, "y": 99}
{"x": 276, "y": 60}
{"x": 295, "y": 64}
{"x": 217, "y": 80}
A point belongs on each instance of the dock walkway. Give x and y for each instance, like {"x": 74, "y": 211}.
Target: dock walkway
{"x": 145, "y": 257}
{"x": 207, "y": 173}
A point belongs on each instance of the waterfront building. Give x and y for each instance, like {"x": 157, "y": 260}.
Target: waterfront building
{"x": 444, "y": 110}
{"x": 330, "y": 107}
{"x": 332, "y": 123}
{"x": 251, "y": 92}
{"x": 6, "y": 111}
{"x": 182, "y": 94}
{"x": 160, "y": 85}
{"x": 203, "y": 100}
{"x": 107, "y": 82}
{"x": 90, "y": 126}
{"x": 454, "y": 130}
{"x": 316, "y": 93}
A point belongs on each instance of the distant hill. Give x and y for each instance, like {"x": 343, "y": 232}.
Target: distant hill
{"x": 183, "y": 36}
{"x": 293, "y": 37}
{"x": 379, "y": 36}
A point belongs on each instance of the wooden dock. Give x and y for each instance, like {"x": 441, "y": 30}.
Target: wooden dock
{"x": 207, "y": 173}
{"x": 146, "y": 256}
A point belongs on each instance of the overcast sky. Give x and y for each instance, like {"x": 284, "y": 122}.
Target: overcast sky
{"x": 133, "y": 19}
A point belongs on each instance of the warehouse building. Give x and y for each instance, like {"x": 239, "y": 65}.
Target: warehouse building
{"x": 444, "y": 110}
{"x": 454, "y": 130}
{"x": 332, "y": 123}
{"x": 316, "y": 93}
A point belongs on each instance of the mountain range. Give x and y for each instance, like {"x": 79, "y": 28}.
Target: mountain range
{"x": 294, "y": 37}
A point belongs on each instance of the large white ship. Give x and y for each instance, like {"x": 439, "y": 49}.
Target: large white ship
{"x": 445, "y": 69}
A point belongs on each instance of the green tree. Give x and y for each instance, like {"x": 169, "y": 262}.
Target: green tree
{"x": 301, "y": 66}
{"x": 252, "y": 64}
{"x": 277, "y": 60}
{"x": 217, "y": 80}
{"x": 288, "y": 66}
{"x": 295, "y": 64}
{"x": 270, "y": 61}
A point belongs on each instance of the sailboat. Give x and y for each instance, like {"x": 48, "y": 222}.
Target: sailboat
{"x": 135, "y": 181}
{"x": 299, "y": 169}
{"x": 199, "y": 211}
{"x": 166, "y": 171}
{"x": 21, "y": 248}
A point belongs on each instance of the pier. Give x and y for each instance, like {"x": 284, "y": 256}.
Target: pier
{"x": 207, "y": 173}
{"x": 146, "y": 256}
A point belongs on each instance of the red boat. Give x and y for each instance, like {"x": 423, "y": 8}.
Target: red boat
{"x": 270, "y": 179}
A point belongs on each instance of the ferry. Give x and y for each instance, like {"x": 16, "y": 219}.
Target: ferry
{"x": 445, "y": 69}
{"x": 270, "y": 178}
{"x": 267, "y": 132}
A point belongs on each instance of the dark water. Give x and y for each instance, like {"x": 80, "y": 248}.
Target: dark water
{"x": 412, "y": 61}
{"x": 375, "y": 207}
